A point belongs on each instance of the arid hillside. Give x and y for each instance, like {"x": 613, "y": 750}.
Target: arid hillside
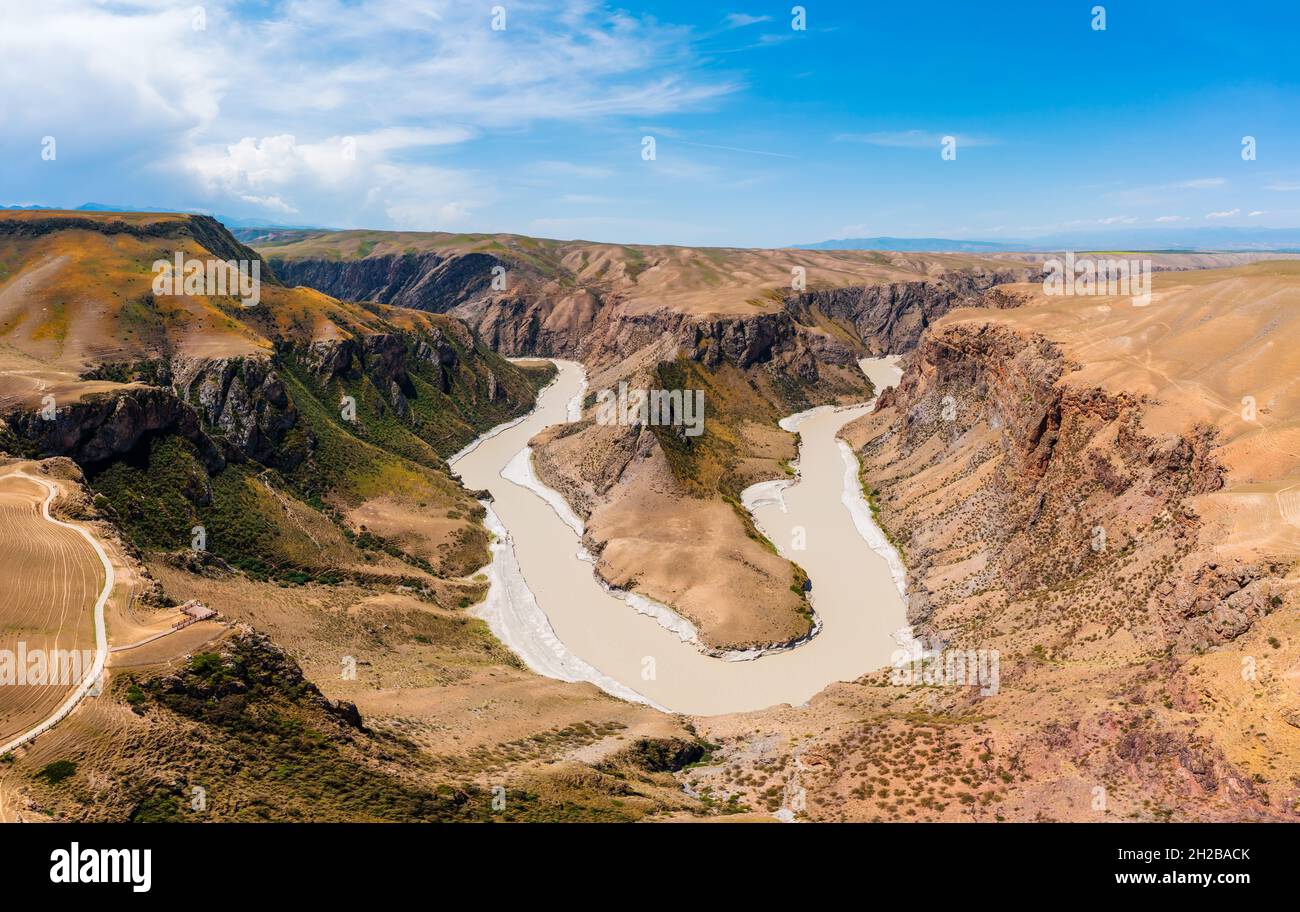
{"x": 1099, "y": 493}
{"x": 285, "y": 466}
{"x": 601, "y": 303}
{"x": 617, "y": 476}
{"x": 724, "y": 321}
{"x": 763, "y": 333}
{"x": 604, "y": 302}
{"x": 286, "y": 429}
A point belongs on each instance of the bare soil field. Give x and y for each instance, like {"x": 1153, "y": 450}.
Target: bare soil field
{"x": 51, "y": 579}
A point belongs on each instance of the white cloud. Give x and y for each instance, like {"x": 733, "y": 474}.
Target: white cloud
{"x": 1201, "y": 183}
{"x": 1283, "y": 186}
{"x": 255, "y": 106}
{"x": 359, "y": 166}
{"x": 1256, "y": 213}
{"x": 1171, "y": 218}
{"x": 389, "y": 139}
{"x": 273, "y": 203}
{"x": 1228, "y": 213}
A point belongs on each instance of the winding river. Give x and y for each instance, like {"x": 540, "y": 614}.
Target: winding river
{"x": 546, "y": 604}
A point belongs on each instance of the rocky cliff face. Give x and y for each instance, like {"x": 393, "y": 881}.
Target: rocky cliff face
{"x": 1039, "y": 520}
{"x": 241, "y": 408}
{"x": 560, "y": 315}
{"x": 1044, "y": 521}
{"x": 1059, "y": 484}
{"x": 602, "y": 330}
{"x": 244, "y": 400}
{"x": 612, "y": 335}
{"x": 105, "y": 427}
{"x": 890, "y": 318}
{"x": 426, "y": 281}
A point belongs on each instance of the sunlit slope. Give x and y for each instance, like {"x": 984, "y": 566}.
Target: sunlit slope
{"x": 303, "y": 434}
{"x": 1100, "y": 493}
{"x": 76, "y": 293}
{"x": 1218, "y": 350}
{"x": 697, "y": 280}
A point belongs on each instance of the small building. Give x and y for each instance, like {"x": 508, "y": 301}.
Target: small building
{"x": 197, "y": 611}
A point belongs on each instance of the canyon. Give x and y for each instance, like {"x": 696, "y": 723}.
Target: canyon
{"x": 1074, "y": 483}
{"x": 1099, "y": 493}
{"x": 547, "y": 600}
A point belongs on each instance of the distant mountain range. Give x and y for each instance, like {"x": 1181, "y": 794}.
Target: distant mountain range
{"x": 1165, "y": 240}
{"x": 925, "y": 244}
{"x": 1280, "y": 240}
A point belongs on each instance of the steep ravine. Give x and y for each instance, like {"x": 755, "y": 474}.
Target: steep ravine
{"x": 890, "y": 318}
{"x": 557, "y": 315}
{"x": 1050, "y": 484}
{"x": 791, "y": 354}
{"x": 1040, "y": 520}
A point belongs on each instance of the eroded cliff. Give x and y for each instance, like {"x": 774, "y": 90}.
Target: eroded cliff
{"x": 1073, "y": 504}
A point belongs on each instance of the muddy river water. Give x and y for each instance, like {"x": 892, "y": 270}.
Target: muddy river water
{"x": 546, "y": 604}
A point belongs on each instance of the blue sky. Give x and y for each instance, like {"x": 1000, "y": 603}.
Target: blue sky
{"x": 419, "y": 115}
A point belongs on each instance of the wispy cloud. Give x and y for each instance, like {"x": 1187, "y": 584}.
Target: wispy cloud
{"x": 912, "y": 139}
{"x": 1227, "y": 213}
{"x": 1171, "y": 218}
{"x": 735, "y": 149}
{"x": 273, "y": 203}
{"x": 572, "y": 169}
{"x": 586, "y": 199}
{"x": 740, "y": 20}
{"x": 1283, "y": 186}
